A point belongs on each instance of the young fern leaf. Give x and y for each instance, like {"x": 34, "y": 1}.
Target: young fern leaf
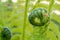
{"x": 39, "y": 17}
{"x": 6, "y": 34}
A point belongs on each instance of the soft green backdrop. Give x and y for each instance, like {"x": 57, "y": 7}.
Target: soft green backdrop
{"x": 15, "y": 17}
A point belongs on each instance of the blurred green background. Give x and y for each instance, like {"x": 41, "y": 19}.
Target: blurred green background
{"x": 14, "y": 15}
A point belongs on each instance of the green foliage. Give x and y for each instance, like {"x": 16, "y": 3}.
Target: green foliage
{"x": 15, "y": 37}
{"x": 16, "y": 19}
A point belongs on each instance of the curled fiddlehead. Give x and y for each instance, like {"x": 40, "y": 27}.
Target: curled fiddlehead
{"x": 39, "y": 17}
{"x": 6, "y": 34}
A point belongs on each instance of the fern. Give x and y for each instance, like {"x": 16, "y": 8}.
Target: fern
{"x": 16, "y": 19}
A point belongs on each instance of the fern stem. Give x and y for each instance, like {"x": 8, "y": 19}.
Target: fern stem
{"x": 25, "y": 17}
{"x": 51, "y": 5}
{"x": 35, "y": 5}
